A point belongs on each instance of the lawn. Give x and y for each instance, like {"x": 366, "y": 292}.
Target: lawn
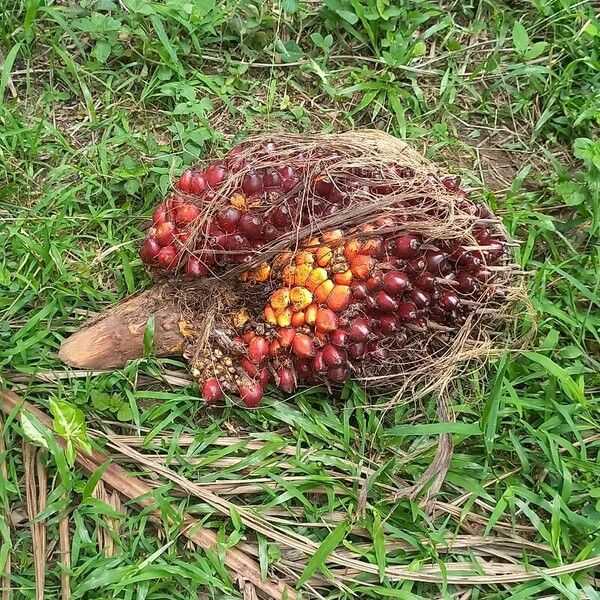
{"x": 102, "y": 104}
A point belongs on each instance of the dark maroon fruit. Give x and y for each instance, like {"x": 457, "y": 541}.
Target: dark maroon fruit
{"x": 484, "y": 275}
{"x": 270, "y": 232}
{"x": 395, "y": 282}
{"x": 303, "y": 368}
{"x": 451, "y": 182}
{"x": 359, "y": 291}
{"x": 281, "y": 217}
{"x": 228, "y": 219}
{"x": 448, "y": 301}
{"x": 388, "y": 324}
{"x": 357, "y": 350}
{"x": 374, "y": 284}
{"x": 407, "y": 246}
{"x": 420, "y": 298}
{"x": 359, "y": 330}
{"x": 337, "y": 374}
{"x": 385, "y": 302}
{"x": 483, "y": 237}
{"x": 252, "y": 183}
{"x": 286, "y": 172}
{"x": 251, "y": 225}
{"x": 437, "y": 262}
{"x": 467, "y": 284}
{"x": 495, "y": 249}
{"x": 333, "y": 356}
{"x": 415, "y": 267}
{"x": 370, "y": 303}
{"x": 407, "y": 311}
{"x": 212, "y": 391}
{"x": 324, "y": 187}
{"x": 339, "y": 338}
{"x": 272, "y": 179}
{"x": 425, "y": 282}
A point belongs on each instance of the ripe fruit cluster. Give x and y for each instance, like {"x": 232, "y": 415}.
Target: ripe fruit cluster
{"x": 335, "y": 302}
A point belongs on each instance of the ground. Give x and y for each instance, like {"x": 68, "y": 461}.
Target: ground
{"x": 101, "y": 104}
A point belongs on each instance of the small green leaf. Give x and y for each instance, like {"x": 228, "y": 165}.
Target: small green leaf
{"x": 101, "y": 51}
{"x": 329, "y": 544}
{"x": 535, "y": 50}
{"x": 520, "y": 37}
{"x": 290, "y": 6}
{"x": 572, "y": 192}
{"x": 30, "y": 431}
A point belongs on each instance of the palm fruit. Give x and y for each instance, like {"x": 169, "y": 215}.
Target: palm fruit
{"x": 328, "y": 304}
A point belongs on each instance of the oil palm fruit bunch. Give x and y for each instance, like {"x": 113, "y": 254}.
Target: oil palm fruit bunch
{"x": 340, "y": 256}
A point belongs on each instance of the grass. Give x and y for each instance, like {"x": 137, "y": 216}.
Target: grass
{"x": 102, "y": 102}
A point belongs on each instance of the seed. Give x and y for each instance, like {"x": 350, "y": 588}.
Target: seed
{"x": 212, "y": 391}
{"x": 258, "y": 349}
{"x": 300, "y": 298}
{"x": 165, "y": 233}
{"x": 339, "y": 298}
{"x": 280, "y": 298}
{"x": 326, "y": 320}
{"x": 303, "y": 346}
{"x": 337, "y": 374}
{"x": 359, "y": 330}
{"x": 323, "y": 290}
{"x": 167, "y": 257}
{"x": 361, "y": 266}
{"x": 407, "y": 311}
{"x": 252, "y": 394}
{"x": 395, "y": 282}
{"x": 407, "y": 246}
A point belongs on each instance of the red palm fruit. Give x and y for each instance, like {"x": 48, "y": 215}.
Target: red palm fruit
{"x": 359, "y": 291}
{"x": 326, "y": 320}
{"x": 437, "y": 262}
{"x": 451, "y": 183}
{"x": 333, "y": 356}
{"x": 359, "y": 329}
{"x": 385, "y": 302}
{"x": 361, "y": 266}
{"x": 495, "y": 250}
{"x": 212, "y": 391}
{"x": 251, "y": 225}
{"x": 286, "y": 336}
{"x": 286, "y": 172}
{"x": 159, "y": 216}
{"x": 337, "y": 374}
{"x": 195, "y": 268}
{"x": 318, "y": 363}
{"x": 252, "y": 183}
{"x": 395, "y": 282}
{"x": 263, "y": 377}
{"x": 448, "y": 301}
{"x": 248, "y": 336}
{"x": 407, "y": 311}
{"x": 258, "y": 349}
{"x": 274, "y": 347}
{"x": 467, "y": 284}
{"x": 339, "y": 298}
{"x": 483, "y": 236}
{"x": 248, "y": 366}
{"x": 251, "y": 394}
{"x": 167, "y": 258}
{"x": 420, "y": 298}
{"x": 388, "y": 324}
{"x": 374, "y": 284}
{"x": 175, "y": 202}
{"x": 303, "y": 346}
{"x": 198, "y": 184}
{"x": 150, "y": 249}
{"x": 215, "y": 174}
{"x": 186, "y": 213}
{"x": 298, "y": 319}
{"x": 270, "y": 232}
{"x": 270, "y": 315}
{"x": 165, "y": 233}
{"x": 407, "y": 246}
{"x": 272, "y": 179}
{"x": 185, "y": 181}
{"x": 483, "y": 275}
{"x": 303, "y": 368}
{"x": 374, "y": 247}
{"x": 228, "y": 219}
{"x": 281, "y": 217}
{"x": 415, "y": 267}
{"x": 286, "y": 380}
{"x": 425, "y": 282}
{"x": 339, "y": 338}
{"x": 357, "y": 350}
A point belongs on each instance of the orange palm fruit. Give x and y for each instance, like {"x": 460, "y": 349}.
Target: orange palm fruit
{"x": 270, "y": 316}
{"x": 280, "y": 298}
{"x": 332, "y": 236}
{"x": 323, "y": 256}
{"x": 316, "y": 278}
{"x": 326, "y": 320}
{"x": 260, "y": 274}
{"x": 301, "y": 274}
{"x": 310, "y": 314}
{"x": 274, "y": 347}
{"x": 339, "y": 298}
{"x": 298, "y": 319}
{"x": 300, "y": 298}
{"x": 344, "y": 278}
{"x": 304, "y": 258}
{"x": 352, "y": 249}
{"x": 323, "y": 290}
{"x": 361, "y": 266}
{"x": 284, "y": 317}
